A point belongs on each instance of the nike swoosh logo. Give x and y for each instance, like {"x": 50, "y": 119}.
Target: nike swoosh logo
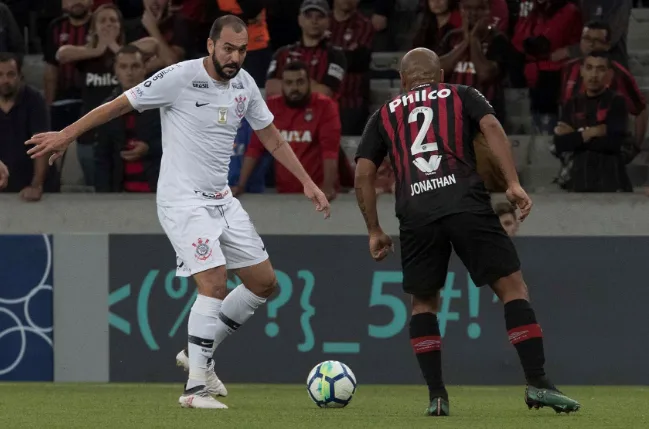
{"x": 201, "y": 105}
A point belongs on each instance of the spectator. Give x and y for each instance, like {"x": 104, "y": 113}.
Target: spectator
{"x": 4, "y": 176}
{"x": 499, "y": 15}
{"x": 159, "y": 23}
{"x": 354, "y": 33}
{"x": 259, "y": 53}
{"x": 62, "y": 82}
{"x": 309, "y": 122}
{"x": 593, "y": 128}
{"x": 616, "y": 14}
{"x": 11, "y": 39}
{"x": 326, "y": 63}
{"x": 129, "y": 150}
{"x": 23, "y": 113}
{"x": 256, "y": 181}
{"x": 439, "y": 18}
{"x": 474, "y": 55}
{"x": 596, "y": 36}
{"x": 550, "y": 26}
{"x": 95, "y": 61}
{"x": 508, "y": 219}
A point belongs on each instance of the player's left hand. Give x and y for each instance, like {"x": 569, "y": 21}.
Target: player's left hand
{"x": 45, "y": 143}
{"x": 318, "y": 198}
{"x": 517, "y": 195}
{"x": 380, "y": 245}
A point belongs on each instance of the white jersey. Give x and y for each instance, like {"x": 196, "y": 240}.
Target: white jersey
{"x": 199, "y": 118}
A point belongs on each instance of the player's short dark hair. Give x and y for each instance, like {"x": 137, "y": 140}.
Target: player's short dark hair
{"x": 130, "y": 50}
{"x": 600, "y": 25}
{"x": 504, "y": 208}
{"x": 599, "y": 54}
{"x": 296, "y": 66}
{"x": 227, "y": 20}
{"x": 5, "y": 57}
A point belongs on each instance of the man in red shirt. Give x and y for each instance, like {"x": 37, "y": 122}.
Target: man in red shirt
{"x": 310, "y": 124}
{"x": 596, "y": 36}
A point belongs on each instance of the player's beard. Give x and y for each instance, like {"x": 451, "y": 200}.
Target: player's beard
{"x": 220, "y": 69}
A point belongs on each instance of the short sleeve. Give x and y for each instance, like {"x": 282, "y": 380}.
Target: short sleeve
{"x": 258, "y": 114}
{"x": 160, "y": 90}
{"x": 476, "y": 105}
{"x": 336, "y": 68}
{"x": 372, "y": 146}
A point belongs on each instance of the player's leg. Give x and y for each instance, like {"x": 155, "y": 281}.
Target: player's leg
{"x": 246, "y": 255}
{"x": 424, "y": 256}
{"x": 491, "y": 258}
{"x": 195, "y": 237}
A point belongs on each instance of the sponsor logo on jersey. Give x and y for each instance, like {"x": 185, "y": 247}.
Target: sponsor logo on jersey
{"x": 417, "y": 96}
{"x": 296, "y": 136}
{"x": 241, "y": 106}
{"x": 104, "y": 79}
{"x": 147, "y": 83}
{"x": 432, "y": 184}
{"x": 162, "y": 73}
{"x": 136, "y": 92}
{"x": 237, "y": 85}
{"x": 200, "y": 84}
{"x": 212, "y": 195}
{"x": 203, "y": 250}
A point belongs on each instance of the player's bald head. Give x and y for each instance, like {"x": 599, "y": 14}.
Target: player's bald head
{"x": 419, "y": 66}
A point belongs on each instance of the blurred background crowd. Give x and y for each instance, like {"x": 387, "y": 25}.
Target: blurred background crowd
{"x": 565, "y": 77}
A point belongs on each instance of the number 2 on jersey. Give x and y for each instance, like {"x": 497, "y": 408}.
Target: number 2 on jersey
{"x": 430, "y": 166}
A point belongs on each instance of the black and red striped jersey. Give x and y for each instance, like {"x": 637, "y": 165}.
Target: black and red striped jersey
{"x": 62, "y": 32}
{"x": 620, "y": 81}
{"x": 428, "y": 134}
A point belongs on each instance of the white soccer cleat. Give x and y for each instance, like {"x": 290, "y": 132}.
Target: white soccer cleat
{"x": 214, "y": 385}
{"x": 199, "y": 397}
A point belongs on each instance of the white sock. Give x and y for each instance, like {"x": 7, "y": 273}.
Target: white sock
{"x": 237, "y": 307}
{"x": 201, "y": 328}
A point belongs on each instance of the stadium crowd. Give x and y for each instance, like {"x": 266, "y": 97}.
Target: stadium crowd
{"x": 313, "y": 59}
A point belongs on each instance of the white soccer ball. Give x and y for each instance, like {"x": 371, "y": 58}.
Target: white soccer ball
{"x": 331, "y": 384}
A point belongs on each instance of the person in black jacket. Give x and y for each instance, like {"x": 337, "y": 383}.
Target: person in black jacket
{"x": 593, "y": 136}
{"x": 129, "y": 150}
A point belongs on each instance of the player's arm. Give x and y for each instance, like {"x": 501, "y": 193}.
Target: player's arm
{"x": 274, "y": 143}
{"x": 369, "y": 156}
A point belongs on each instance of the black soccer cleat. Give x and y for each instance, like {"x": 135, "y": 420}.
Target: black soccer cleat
{"x": 438, "y": 407}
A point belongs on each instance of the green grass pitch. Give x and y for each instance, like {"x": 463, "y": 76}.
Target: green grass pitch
{"x": 37, "y": 405}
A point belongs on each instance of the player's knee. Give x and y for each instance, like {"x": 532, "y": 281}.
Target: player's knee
{"x": 511, "y": 287}
{"x": 424, "y": 304}
{"x": 212, "y": 282}
{"x": 267, "y": 288}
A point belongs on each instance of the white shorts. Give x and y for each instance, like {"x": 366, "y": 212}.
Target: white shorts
{"x": 209, "y": 236}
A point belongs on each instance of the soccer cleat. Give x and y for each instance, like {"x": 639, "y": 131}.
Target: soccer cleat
{"x": 214, "y": 385}
{"x": 199, "y": 397}
{"x": 438, "y": 407}
{"x": 536, "y": 397}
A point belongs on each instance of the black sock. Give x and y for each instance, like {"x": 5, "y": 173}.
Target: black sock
{"x": 526, "y": 335}
{"x": 427, "y": 343}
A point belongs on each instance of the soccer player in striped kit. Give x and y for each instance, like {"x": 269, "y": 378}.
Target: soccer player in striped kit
{"x": 442, "y": 205}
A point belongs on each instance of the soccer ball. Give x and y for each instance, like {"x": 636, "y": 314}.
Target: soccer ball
{"x": 331, "y": 384}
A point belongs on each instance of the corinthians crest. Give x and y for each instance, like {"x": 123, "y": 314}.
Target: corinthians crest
{"x": 203, "y": 250}
{"x": 241, "y": 106}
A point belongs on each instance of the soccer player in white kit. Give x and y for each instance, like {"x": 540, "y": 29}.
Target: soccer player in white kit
{"x": 201, "y": 104}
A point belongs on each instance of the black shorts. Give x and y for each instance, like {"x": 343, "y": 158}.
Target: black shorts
{"x": 479, "y": 241}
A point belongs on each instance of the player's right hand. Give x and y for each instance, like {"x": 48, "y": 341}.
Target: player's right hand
{"x": 45, "y": 143}
{"x": 380, "y": 245}
{"x": 318, "y": 198}
{"x": 517, "y": 195}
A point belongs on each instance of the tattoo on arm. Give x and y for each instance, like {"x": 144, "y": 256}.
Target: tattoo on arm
{"x": 279, "y": 144}
{"x": 361, "y": 204}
